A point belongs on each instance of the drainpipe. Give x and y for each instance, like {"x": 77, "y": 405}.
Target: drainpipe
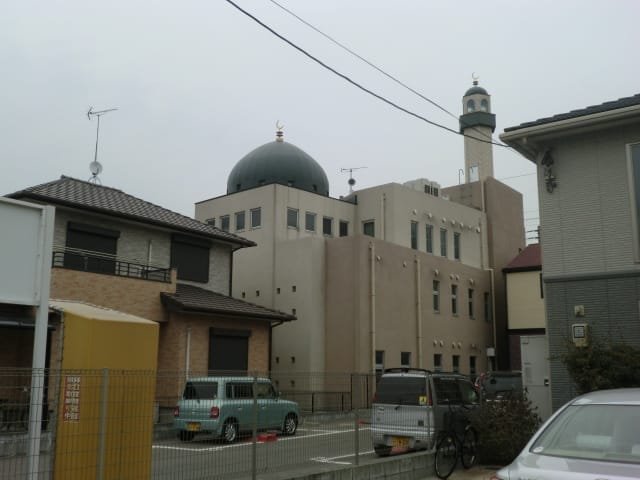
{"x": 418, "y": 313}
{"x": 493, "y": 316}
{"x": 372, "y": 306}
{"x": 187, "y": 356}
{"x": 383, "y": 213}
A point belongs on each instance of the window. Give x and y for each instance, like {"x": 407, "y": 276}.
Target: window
{"x": 487, "y": 307}
{"x": 471, "y": 106}
{"x": 292, "y": 218}
{"x": 456, "y": 245}
{"x": 541, "y": 287}
{"x": 211, "y": 221}
{"x": 239, "y": 221}
{"x": 344, "y": 228}
{"x": 471, "y": 303}
{"x": 84, "y": 239}
{"x": 456, "y": 363}
{"x": 437, "y": 362}
{"x": 190, "y": 257}
{"x": 454, "y": 299}
{"x": 405, "y": 359}
{"x": 224, "y": 223}
{"x": 379, "y": 363}
{"x": 256, "y": 217}
{"x": 429, "y": 235}
{"x": 436, "y": 296}
{"x": 310, "y": 222}
{"x": 327, "y": 226}
{"x": 443, "y": 242}
{"x": 369, "y": 228}
{"x": 484, "y": 105}
{"x": 414, "y": 235}
{"x": 472, "y": 366}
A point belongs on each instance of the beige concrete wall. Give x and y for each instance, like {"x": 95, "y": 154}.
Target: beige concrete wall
{"x": 524, "y": 302}
{"x": 398, "y": 289}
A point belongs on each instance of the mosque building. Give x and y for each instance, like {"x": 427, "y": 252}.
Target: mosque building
{"x": 395, "y": 275}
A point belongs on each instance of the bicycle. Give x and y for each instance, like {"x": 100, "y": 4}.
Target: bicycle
{"x": 459, "y": 435}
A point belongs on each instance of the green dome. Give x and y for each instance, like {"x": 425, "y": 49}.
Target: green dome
{"x": 278, "y": 162}
{"x": 476, "y": 89}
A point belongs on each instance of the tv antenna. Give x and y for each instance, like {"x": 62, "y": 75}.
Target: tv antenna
{"x": 351, "y": 181}
{"x": 95, "y": 167}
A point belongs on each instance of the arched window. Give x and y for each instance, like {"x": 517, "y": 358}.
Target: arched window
{"x": 471, "y": 106}
{"x": 484, "y": 105}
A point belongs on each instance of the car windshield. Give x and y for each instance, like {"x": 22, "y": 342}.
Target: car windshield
{"x": 401, "y": 390}
{"x": 594, "y": 432}
{"x": 201, "y": 391}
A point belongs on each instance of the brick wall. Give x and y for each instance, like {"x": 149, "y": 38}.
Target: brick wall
{"x": 130, "y": 295}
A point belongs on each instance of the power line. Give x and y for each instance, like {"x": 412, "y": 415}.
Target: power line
{"x": 372, "y": 65}
{"x": 354, "y": 83}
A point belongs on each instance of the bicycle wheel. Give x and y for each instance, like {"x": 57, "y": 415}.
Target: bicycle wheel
{"x": 446, "y": 456}
{"x": 469, "y": 450}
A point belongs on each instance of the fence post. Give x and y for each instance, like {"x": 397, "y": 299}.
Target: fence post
{"x": 103, "y": 422}
{"x": 254, "y": 446}
{"x": 357, "y": 433}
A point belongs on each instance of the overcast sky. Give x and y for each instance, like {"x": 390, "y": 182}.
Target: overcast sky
{"x": 198, "y": 85}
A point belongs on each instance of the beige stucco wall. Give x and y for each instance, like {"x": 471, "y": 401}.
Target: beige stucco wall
{"x": 524, "y": 302}
{"x": 397, "y": 290}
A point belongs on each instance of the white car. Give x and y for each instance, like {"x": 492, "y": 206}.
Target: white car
{"x": 593, "y": 437}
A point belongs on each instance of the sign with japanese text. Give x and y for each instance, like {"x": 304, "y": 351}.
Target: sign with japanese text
{"x": 71, "y": 399}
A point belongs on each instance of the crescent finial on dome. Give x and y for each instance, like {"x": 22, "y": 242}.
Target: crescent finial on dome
{"x": 279, "y": 134}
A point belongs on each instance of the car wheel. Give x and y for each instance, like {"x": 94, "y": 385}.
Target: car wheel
{"x": 290, "y": 425}
{"x": 382, "y": 450}
{"x": 185, "y": 436}
{"x": 230, "y": 431}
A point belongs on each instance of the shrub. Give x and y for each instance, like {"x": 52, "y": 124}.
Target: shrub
{"x": 599, "y": 366}
{"x": 504, "y": 427}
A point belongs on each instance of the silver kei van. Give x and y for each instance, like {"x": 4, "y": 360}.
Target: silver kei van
{"x": 411, "y": 407}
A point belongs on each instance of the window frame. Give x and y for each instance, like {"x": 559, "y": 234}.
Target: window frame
{"x": 225, "y": 219}
{"x": 310, "y": 221}
{"x": 413, "y": 231}
{"x": 454, "y": 299}
{"x": 444, "y": 238}
{"x": 470, "y": 293}
{"x": 373, "y": 228}
{"x": 435, "y": 294}
{"x": 253, "y": 213}
{"x": 345, "y": 224}
{"x": 290, "y": 212}
{"x": 241, "y": 215}
{"x": 429, "y": 238}
{"x": 457, "y": 245}
{"x": 324, "y": 224}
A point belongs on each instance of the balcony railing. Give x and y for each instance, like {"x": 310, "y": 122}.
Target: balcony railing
{"x": 96, "y": 262}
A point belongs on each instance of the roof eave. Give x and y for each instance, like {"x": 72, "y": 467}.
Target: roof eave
{"x": 526, "y": 140}
{"x": 240, "y": 243}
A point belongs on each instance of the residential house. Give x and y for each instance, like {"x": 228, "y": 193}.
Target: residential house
{"x": 588, "y": 165}
{"x": 114, "y": 250}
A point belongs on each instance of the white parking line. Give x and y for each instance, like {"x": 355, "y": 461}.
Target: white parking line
{"x": 333, "y": 459}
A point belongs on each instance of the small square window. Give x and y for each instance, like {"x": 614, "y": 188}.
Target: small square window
{"x": 437, "y": 362}
{"x": 310, "y": 222}
{"x": 243, "y": 294}
{"x": 405, "y": 359}
{"x": 327, "y": 226}
{"x": 293, "y": 311}
{"x": 456, "y": 363}
{"x": 224, "y": 223}
{"x": 292, "y": 218}
{"x": 239, "y": 221}
{"x": 293, "y": 288}
{"x": 344, "y": 228}
{"x": 369, "y": 228}
{"x": 278, "y": 290}
{"x": 257, "y": 293}
{"x": 256, "y": 218}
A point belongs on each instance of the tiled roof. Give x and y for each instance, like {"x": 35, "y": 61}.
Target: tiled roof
{"x": 75, "y": 193}
{"x": 195, "y": 299}
{"x": 528, "y": 259}
{"x": 604, "y": 107}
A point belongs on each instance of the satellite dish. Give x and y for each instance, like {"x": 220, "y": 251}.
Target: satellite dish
{"x": 95, "y": 168}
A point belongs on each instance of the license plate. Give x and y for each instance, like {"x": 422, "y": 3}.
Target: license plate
{"x": 194, "y": 427}
{"x": 399, "y": 442}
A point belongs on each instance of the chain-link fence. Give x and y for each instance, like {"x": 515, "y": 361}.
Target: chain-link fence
{"x": 108, "y": 424}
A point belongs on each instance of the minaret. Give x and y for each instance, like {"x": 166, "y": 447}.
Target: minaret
{"x": 477, "y": 121}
